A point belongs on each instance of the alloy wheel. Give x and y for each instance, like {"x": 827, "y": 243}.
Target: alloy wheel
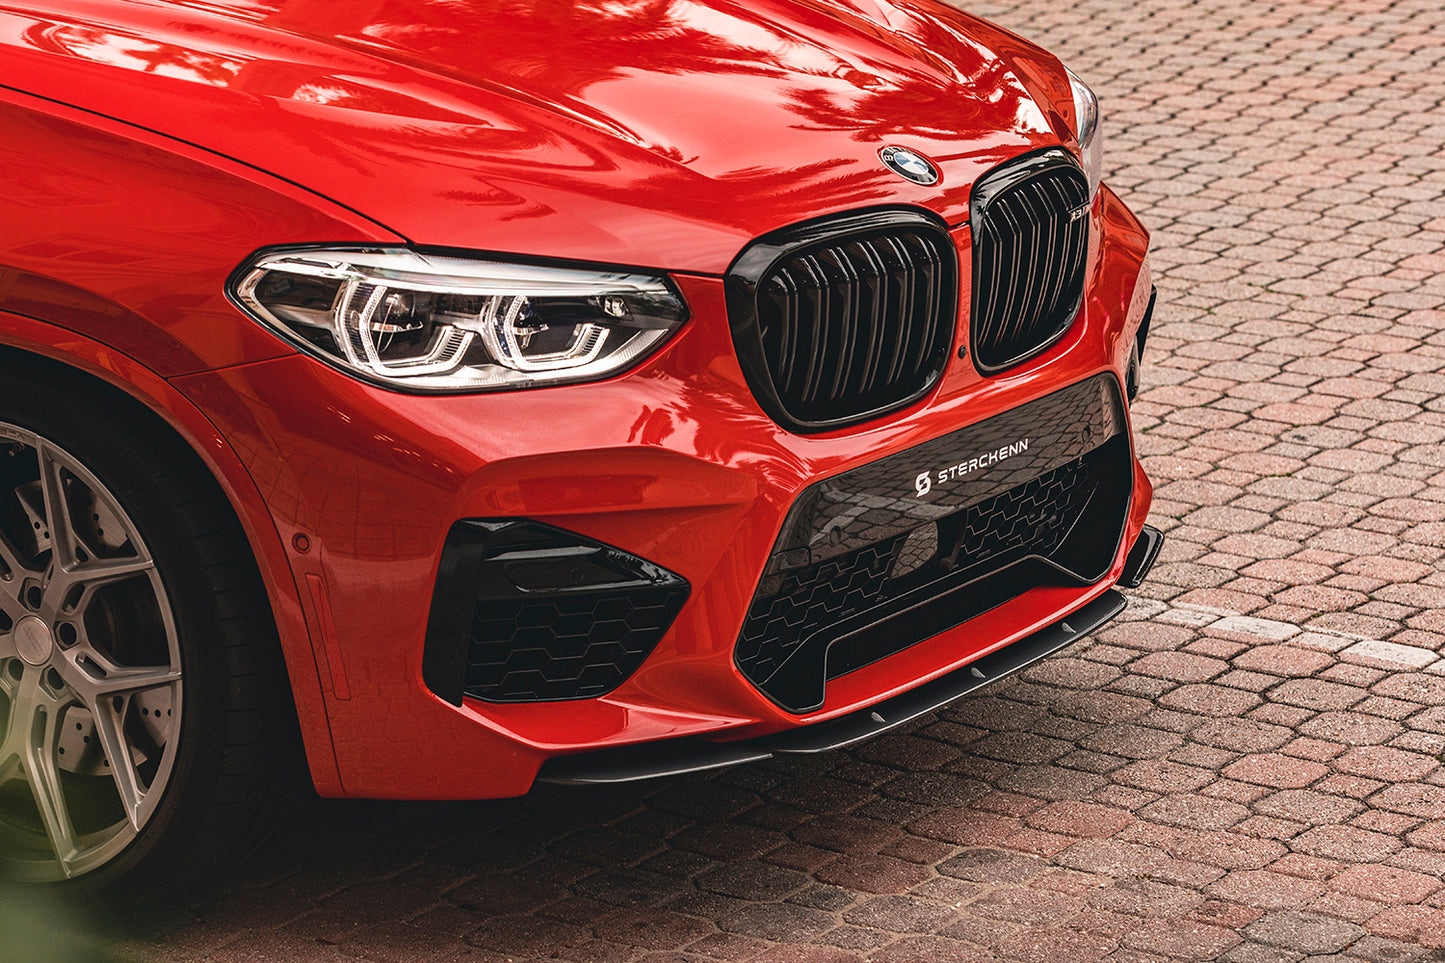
{"x": 90, "y": 666}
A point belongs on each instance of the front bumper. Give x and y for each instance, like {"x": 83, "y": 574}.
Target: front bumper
{"x": 674, "y": 463}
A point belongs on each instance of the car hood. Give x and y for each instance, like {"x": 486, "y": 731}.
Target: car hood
{"x": 646, "y": 132}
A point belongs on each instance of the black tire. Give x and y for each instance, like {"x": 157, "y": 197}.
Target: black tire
{"x": 191, "y": 621}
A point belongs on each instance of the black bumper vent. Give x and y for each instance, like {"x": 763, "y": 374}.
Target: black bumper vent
{"x": 1030, "y": 242}
{"x": 844, "y": 319}
{"x": 524, "y": 612}
{"x": 875, "y": 560}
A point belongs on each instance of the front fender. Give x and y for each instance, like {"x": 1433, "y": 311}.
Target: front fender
{"x": 33, "y": 340}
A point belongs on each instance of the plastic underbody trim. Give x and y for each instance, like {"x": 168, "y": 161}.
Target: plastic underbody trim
{"x": 680, "y": 756}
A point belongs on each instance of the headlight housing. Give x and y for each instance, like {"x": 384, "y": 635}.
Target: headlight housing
{"x": 419, "y": 322}
{"x": 1086, "y": 121}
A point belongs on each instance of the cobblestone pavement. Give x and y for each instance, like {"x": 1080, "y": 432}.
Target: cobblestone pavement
{"x": 1247, "y": 768}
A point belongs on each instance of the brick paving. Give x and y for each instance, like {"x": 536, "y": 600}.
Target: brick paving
{"x": 1247, "y": 767}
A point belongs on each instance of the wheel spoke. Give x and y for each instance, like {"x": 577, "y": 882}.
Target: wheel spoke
{"x": 101, "y": 571}
{"x": 91, "y": 576}
{"x": 93, "y": 676}
{"x": 122, "y": 767}
{"x": 57, "y": 509}
{"x": 130, "y": 681}
{"x": 12, "y": 749}
{"x": 40, "y": 750}
{"x": 11, "y": 604}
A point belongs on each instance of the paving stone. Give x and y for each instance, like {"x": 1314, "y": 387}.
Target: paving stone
{"x": 1267, "y": 890}
{"x": 992, "y": 866}
{"x": 1183, "y": 939}
{"x": 1304, "y": 932}
{"x": 1196, "y": 812}
{"x": 1386, "y": 764}
{"x": 1386, "y": 883}
{"x": 1080, "y": 819}
{"x": 1276, "y": 770}
{"x": 931, "y": 948}
{"x": 1347, "y": 843}
{"x": 1308, "y": 806}
{"x": 1316, "y": 694}
{"x": 1044, "y": 944}
{"x": 777, "y": 922}
{"x": 1421, "y": 925}
{"x": 901, "y": 914}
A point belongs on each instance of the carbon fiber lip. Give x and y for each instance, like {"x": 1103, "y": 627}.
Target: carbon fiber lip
{"x": 681, "y": 756}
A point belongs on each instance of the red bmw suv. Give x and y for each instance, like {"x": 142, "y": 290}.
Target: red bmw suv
{"x": 491, "y": 392}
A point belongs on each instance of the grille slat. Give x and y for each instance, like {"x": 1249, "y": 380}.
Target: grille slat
{"x": 926, "y": 271}
{"x": 871, "y": 270}
{"x": 845, "y": 319}
{"x": 784, "y": 291}
{"x": 815, "y": 296}
{"x": 849, "y": 319}
{"x": 1030, "y": 244}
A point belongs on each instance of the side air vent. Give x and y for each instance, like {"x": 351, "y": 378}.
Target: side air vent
{"x": 1030, "y": 223}
{"x": 525, "y": 612}
{"x": 844, "y": 319}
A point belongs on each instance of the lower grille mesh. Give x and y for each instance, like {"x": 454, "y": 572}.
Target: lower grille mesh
{"x": 1032, "y": 519}
{"x": 883, "y": 556}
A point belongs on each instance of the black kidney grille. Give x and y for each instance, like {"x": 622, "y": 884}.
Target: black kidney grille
{"x": 845, "y": 319}
{"x": 1030, "y": 243}
{"x": 855, "y": 325}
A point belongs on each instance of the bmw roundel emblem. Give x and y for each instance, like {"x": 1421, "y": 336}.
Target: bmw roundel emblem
{"x": 905, "y": 163}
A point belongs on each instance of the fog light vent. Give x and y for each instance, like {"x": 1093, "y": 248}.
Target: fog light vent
{"x": 524, "y": 612}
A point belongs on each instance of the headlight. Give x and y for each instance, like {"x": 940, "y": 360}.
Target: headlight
{"x": 1086, "y": 119}
{"x": 422, "y": 323}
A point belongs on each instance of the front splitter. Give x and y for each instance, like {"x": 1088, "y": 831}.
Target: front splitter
{"x": 680, "y": 756}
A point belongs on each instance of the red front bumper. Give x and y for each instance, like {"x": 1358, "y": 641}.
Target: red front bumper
{"x": 674, "y": 463}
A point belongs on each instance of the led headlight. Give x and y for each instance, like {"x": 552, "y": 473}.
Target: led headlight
{"x": 417, "y": 322}
{"x": 1091, "y": 141}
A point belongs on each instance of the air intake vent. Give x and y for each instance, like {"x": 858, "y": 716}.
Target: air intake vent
{"x": 842, "y": 320}
{"x": 865, "y": 565}
{"x": 524, "y": 612}
{"x": 1030, "y": 241}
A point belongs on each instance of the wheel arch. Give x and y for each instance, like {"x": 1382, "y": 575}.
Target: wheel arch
{"x": 27, "y": 341}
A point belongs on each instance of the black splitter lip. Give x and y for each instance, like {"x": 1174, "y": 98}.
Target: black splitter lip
{"x": 681, "y": 756}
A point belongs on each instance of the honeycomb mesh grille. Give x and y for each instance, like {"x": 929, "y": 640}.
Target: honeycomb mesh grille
{"x": 1032, "y": 519}
{"x": 526, "y": 612}
{"x": 567, "y": 647}
{"x": 874, "y": 559}
{"x": 1030, "y": 243}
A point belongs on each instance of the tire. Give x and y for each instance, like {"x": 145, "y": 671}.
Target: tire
{"x": 143, "y": 720}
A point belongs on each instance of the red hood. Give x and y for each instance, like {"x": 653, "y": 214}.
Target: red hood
{"x": 646, "y": 132}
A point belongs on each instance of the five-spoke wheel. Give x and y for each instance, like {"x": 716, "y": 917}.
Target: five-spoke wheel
{"x": 91, "y": 681}
{"x": 145, "y": 727}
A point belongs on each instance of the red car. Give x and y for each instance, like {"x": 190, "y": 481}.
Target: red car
{"x": 493, "y": 393}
